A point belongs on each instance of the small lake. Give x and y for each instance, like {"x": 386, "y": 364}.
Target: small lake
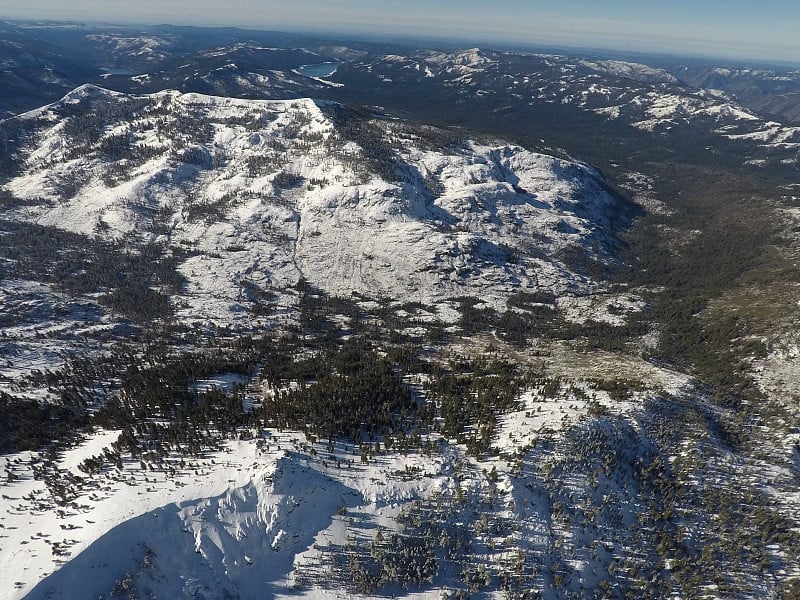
{"x": 322, "y": 70}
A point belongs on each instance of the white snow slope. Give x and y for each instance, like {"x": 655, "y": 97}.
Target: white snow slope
{"x": 262, "y": 193}
{"x": 262, "y": 518}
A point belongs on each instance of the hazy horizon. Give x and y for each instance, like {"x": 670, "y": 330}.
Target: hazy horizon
{"x": 733, "y": 29}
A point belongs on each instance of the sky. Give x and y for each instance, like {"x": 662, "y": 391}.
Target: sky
{"x": 766, "y": 29}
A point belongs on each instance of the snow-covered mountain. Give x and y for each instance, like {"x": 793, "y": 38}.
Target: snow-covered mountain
{"x": 770, "y": 91}
{"x": 554, "y": 86}
{"x": 665, "y": 97}
{"x": 300, "y": 348}
{"x": 250, "y": 196}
